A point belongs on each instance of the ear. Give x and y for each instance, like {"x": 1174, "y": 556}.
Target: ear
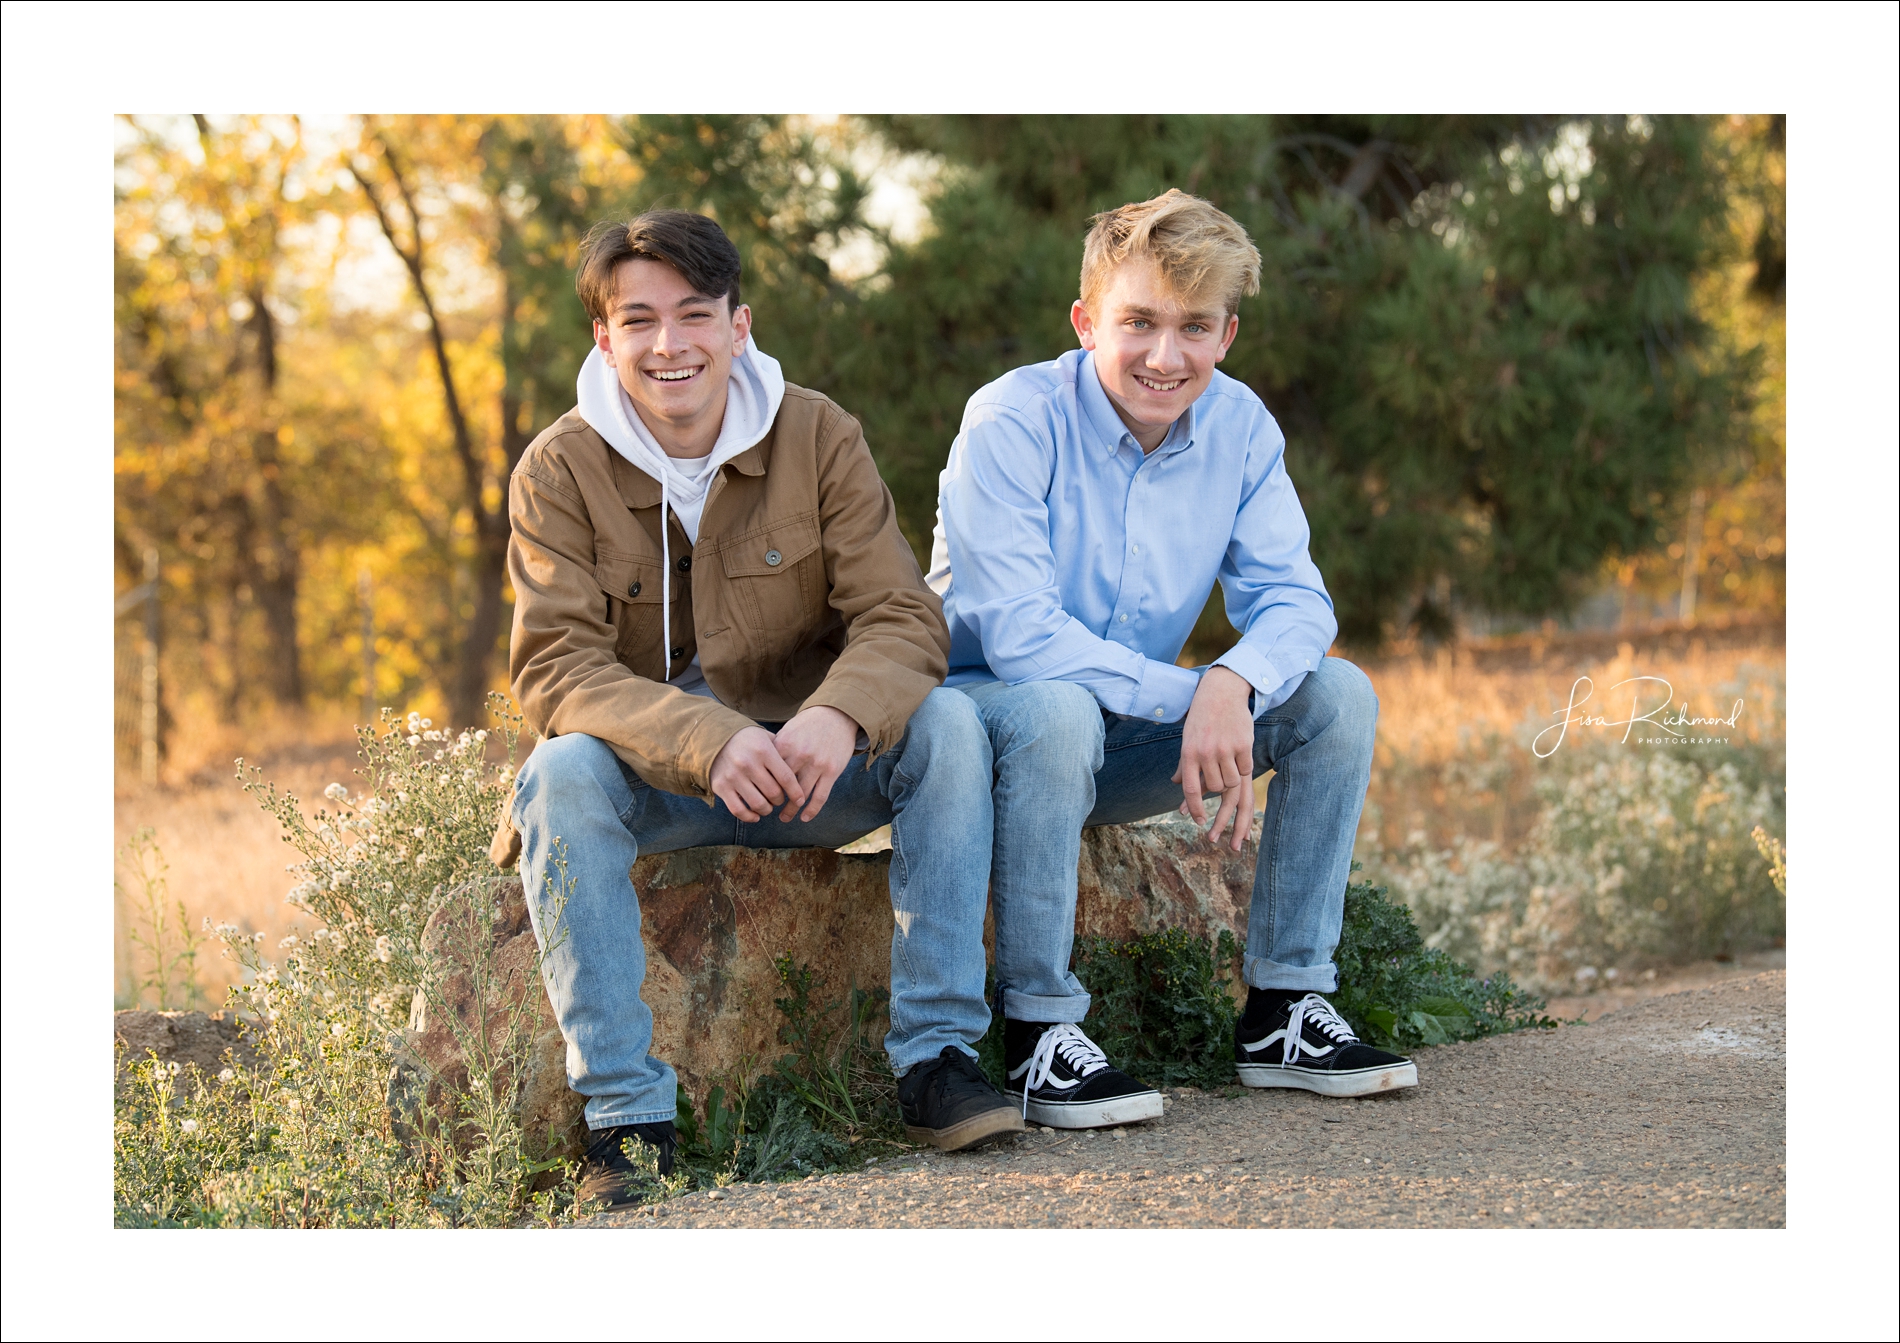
{"x": 1227, "y": 336}
{"x": 1084, "y": 325}
{"x": 741, "y": 329}
{"x": 603, "y": 341}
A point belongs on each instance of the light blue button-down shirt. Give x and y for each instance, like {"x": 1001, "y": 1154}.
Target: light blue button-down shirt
{"x": 1062, "y": 552}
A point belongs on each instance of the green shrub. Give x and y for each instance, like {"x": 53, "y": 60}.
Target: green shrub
{"x": 1163, "y": 1005}
{"x": 1400, "y": 993}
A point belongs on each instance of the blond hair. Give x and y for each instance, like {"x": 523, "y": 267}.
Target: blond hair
{"x": 1201, "y": 252}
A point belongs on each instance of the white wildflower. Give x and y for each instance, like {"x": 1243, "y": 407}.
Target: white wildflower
{"x": 468, "y": 774}
{"x": 187, "y": 1126}
{"x": 438, "y": 755}
{"x": 384, "y": 948}
{"x": 420, "y": 831}
{"x": 336, "y": 792}
{"x": 482, "y": 735}
{"x": 427, "y": 722}
{"x": 415, "y": 722}
{"x": 336, "y": 1028}
{"x": 172, "y": 1067}
{"x": 414, "y": 740}
{"x": 226, "y": 1075}
{"x": 258, "y": 937}
{"x": 287, "y": 942}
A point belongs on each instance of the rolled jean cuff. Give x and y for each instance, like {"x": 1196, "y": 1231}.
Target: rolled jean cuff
{"x": 595, "y": 1125}
{"x": 1261, "y": 973}
{"x": 1049, "y": 1011}
{"x": 924, "y": 1049}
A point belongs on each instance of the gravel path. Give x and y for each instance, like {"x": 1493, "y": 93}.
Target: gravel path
{"x": 1667, "y": 1113}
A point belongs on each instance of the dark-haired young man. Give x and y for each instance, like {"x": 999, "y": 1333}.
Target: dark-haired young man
{"x": 1088, "y": 506}
{"x": 723, "y": 638}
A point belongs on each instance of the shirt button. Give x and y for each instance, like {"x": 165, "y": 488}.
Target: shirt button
{"x": 1157, "y": 711}
{"x": 686, "y": 563}
{"x": 1136, "y": 549}
{"x": 1123, "y": 619}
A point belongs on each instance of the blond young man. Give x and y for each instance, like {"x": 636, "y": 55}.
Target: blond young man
{"x": 1088, "y": 505}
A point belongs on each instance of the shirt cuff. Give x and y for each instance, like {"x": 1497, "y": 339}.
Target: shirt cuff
{"x": 1271, "y": 688}
{"x": 1164, "y": 693}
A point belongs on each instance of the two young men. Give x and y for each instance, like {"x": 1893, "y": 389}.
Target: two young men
{"x": 723, "y": 638}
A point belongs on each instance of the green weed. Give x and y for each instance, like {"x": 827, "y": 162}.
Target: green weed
{"x": 322, "y": 1131}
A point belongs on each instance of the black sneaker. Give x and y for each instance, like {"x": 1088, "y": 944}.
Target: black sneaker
{"x": 609, "y": 1177}
{"x": 950, "y": 1104}
{"x": 1307, "y": 1044}
{"x": 1062, "y": 1078}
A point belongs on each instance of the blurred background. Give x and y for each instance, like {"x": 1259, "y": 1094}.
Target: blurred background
{"x": 1529, "y": 369}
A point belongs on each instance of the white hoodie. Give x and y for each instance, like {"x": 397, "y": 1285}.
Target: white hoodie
{"x": 753, "y": 395}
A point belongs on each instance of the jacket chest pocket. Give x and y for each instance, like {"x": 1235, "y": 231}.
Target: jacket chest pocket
{"x": 631, "y": 588}
{"x": 776, "y": 574}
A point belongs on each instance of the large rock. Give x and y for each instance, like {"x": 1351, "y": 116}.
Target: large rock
{"x": 714, "y": 920}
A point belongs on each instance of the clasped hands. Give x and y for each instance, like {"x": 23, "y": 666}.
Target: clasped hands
{"x": 757, "y": 771}
{"x": 1217, "y": 755}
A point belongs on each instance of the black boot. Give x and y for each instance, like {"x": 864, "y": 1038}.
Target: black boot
{"x": 609, "y": 1177}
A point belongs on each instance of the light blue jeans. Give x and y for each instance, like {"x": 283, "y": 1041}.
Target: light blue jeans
{"x": 932, "y": 789}
{"x": 1062, "y": 763}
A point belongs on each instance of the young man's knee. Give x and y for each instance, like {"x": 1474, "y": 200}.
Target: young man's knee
{"x": 946, "y": 731}
{"x": 565, "y": 768}
{"x": 1060, "y": 714}
{"x": 1349, "y": 695}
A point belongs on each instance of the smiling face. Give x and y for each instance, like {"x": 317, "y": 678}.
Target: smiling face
{"x": 1154, "y": 351}
{"x": 673, "y": 349}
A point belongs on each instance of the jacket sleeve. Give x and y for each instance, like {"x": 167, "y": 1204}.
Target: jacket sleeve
{"x": 897, "y": 647}
{"x": 561, "y": 658}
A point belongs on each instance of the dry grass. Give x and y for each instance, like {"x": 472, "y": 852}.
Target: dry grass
{"x": 226, "y": 856}
{"x": 1454, "y": 753}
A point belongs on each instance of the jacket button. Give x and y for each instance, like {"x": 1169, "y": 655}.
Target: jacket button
{"x": 633, "y": 589}
{"x": 772, "y": 557}
{"x": 686, "y": 563}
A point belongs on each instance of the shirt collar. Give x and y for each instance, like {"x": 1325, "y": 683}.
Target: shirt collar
{"x": 1107, "y": 425}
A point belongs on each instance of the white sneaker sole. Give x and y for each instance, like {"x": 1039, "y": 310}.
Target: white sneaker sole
{"x": 1134, "y": 1109}
{"x": 1364, "y": 1082}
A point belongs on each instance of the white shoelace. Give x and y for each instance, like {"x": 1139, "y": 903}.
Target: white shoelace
{"x": 1066, "y": 1041}
{"x": 1315, "y": 1009}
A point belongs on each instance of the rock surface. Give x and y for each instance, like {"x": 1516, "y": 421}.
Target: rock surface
{"x": 714, "y": 920}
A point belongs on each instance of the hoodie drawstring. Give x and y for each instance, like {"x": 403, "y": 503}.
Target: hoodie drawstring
{"x": 666, "y": 583}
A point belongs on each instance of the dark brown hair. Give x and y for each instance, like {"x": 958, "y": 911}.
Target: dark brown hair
{"x": 691, "y": 244}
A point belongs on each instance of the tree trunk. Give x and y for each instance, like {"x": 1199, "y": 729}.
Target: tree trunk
{"x": 468, "y": 704}
{"x": 275, "y": 561}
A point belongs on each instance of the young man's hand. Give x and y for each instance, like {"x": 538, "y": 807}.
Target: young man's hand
{"x": 1217, "y": 755}
{"x": 817, "y": 745}
{"x": 751, "y": 777}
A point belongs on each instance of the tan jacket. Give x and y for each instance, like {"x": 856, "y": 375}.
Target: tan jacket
{"x": 801, "y": 590}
